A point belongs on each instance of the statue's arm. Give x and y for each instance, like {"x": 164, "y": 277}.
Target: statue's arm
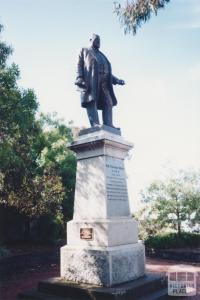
{"x": 80, "y": 81}
{"x": 80, "y": 65}
{"x": 115, "y": 80}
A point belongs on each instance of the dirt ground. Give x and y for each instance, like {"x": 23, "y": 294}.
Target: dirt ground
{"x": 28, "y": 279}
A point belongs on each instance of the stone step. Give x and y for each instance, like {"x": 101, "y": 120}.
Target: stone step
{"x": 149, "y": 287}
{"x": 35, "y": 295}
{"x": 157, "y": 295}
{"x": 137, "y": 288}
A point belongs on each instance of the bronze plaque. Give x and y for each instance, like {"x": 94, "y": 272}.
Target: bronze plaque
{"x": 86, "y": 234}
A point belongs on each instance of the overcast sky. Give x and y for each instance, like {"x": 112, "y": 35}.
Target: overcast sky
{"x": 158, "y": 108}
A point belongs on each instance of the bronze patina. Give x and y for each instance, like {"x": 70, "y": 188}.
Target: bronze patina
{"x": 95, "y": 83}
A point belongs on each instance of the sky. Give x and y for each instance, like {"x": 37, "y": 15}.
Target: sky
{"x": 158, "y": 108}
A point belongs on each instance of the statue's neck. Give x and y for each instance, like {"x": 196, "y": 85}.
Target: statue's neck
{"x": 95, "y": 49}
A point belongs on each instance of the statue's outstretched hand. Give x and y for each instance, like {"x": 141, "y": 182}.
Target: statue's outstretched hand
{"x": 121, "y": 82}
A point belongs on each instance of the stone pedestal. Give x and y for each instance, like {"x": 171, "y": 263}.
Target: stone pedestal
{"x": 102, "y": 239}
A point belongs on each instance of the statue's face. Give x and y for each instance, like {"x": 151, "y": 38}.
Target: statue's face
{"x": 96, "y": 42}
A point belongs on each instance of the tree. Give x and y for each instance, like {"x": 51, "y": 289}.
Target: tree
{"x": 24, "y": 185}
{"x": 175, "y": 201}
{"x": 56, "y": 155}
{"x": 147, "y": 222}
{"x": 132, "y": 14}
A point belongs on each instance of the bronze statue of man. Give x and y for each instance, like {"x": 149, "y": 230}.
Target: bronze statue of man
{"x": 94, "y": 81}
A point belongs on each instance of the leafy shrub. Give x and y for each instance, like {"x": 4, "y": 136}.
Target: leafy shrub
{"x": 49, "y": 229}
{"x": 171, "y": 240}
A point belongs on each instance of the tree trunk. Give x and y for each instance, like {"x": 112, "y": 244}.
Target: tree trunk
{"x": 178, "y": 225}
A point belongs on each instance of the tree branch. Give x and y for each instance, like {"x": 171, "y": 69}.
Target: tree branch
{"x": 132, "y": 14}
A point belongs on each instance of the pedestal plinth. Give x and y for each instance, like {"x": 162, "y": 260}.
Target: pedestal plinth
{"x": 102, "y": 239}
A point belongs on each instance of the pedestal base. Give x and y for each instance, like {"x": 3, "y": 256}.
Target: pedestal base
{"x": 104, "y": 266}
{"x": 150, "y": 286}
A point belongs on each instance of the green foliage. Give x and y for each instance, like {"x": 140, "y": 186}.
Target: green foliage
{"x": 56, "y": 155}
{"x": 172, "y": 203}
{"x": 5, "y": 51}
{"x": 38, "y": 195}
{"x": 37, "y": 171}
{"x": 12, "y": 225}
{"x": 50, "y": 229}
{"x": 132, "y": 14}
{"x": 172, "y": 241}
{"x": 147, "y": 222}
{"x": 23, "y": 184}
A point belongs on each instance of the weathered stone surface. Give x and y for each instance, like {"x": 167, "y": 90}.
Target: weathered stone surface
{"x": 85, "y": 265}
{"x": 103, "y": 266}
{"x": 128, "y": 264}
{"x": 100, "y": 143}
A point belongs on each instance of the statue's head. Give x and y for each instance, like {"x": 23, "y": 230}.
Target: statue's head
{"x": 95, "y": 41}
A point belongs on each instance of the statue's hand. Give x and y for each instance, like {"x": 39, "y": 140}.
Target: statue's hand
{"x": 121, "y": 82}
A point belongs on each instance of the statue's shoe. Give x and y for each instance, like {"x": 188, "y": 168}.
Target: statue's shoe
{"x": 96, "y": 125}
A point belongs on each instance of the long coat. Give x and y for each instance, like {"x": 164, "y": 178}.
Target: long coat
{"x": 87, "y": 69}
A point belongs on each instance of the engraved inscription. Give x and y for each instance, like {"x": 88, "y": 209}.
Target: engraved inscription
{"x": 86, "y": 233}
{"x": 116, "y": 181}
